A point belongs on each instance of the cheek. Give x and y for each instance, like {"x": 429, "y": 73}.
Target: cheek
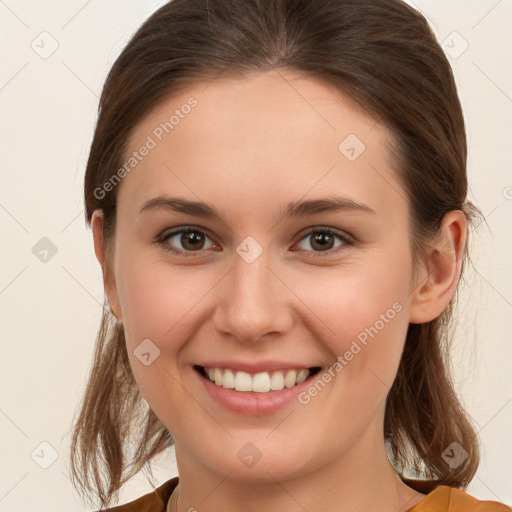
{"x": 160, "y": 304}
{"x": 359, "y": 303}
{"x": 158, "y": 301}
{"x": 364, "y": 316}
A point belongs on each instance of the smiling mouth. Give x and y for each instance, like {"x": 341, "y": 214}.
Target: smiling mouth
{"x": 262, "y": 382}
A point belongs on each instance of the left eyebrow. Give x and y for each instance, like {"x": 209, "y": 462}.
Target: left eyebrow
{"x": 329, "y": 204}
{"x": 292, "y": 210}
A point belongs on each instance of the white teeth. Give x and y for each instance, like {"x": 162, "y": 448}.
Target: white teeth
{"x": 302, "y": 375}
{"x": 277, "y": 381}
{"x": 228, "y": 380}
{"x": 262, "y": 382}
{"x": 243, "y": 381}
{"x": 289, "y": 380}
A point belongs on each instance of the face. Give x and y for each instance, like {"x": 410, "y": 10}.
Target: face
{"x": 272, "y": 285}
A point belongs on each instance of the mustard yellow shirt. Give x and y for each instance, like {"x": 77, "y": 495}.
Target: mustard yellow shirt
{"x": 441, "y": 499}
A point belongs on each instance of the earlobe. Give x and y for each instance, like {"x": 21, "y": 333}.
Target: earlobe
{"x": 441, "y": 270}
{"x": 99, "y": 249}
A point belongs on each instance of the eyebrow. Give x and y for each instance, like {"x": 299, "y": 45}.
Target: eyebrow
{"x": 292, "y": 210}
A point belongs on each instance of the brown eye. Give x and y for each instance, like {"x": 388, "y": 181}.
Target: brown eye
{"x": 189, "y": 240}
{"x": 185, "y": 240}
{"x": 192, "y": 240}
{"x": 323, "y": 240}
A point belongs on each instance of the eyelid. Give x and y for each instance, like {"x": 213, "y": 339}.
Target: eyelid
{"x": 341, "y": 235}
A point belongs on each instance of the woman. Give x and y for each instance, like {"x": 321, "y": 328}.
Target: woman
{"x": 277, "y": 193}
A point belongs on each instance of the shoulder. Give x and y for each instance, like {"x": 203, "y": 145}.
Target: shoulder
{"x": 460, "y": 500}
{"x": 449, "y": 499}
{"x": 155, "y": 501}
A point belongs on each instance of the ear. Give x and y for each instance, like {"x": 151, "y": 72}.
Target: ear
{"x": 109, "y": 283}
{"x": 441, "y": 271}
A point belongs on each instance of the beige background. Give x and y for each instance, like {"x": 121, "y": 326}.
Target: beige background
{"x": 50, "y": 311}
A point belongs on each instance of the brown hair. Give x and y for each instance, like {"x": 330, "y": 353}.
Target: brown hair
{"x": 381, "y": 53}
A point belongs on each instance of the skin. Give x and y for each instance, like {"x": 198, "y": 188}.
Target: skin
{"x": 249, "y": 148}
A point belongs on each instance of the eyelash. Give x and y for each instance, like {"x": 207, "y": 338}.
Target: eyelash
{"x": 345, "y": 238}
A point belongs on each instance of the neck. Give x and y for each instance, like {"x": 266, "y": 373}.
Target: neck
{"x": 360, "y": 479}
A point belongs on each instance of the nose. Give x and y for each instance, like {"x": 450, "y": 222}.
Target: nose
{"x": 252, "y": 301}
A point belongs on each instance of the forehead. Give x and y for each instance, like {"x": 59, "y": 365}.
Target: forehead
{"x": 263, "y": 135}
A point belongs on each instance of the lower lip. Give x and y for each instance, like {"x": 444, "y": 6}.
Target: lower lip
{"x": 252, "y": 403}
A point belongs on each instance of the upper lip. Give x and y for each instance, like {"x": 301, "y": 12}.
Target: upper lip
{"x": 256, "y": 367}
